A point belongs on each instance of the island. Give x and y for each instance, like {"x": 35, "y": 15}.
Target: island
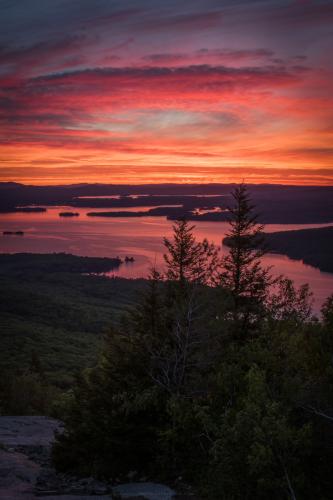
{"x": 17, "y": 233}
{"x": 69, "y": 214}
{"x": 169, "y": 212}
{"x": 122, "y": 213}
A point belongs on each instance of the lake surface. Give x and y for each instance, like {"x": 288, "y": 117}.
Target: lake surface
{"x": 141, "y": 238}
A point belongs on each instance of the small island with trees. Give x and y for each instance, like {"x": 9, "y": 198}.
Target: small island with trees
{"x": 69, "y": 214}
{"x": 15, "y": 233}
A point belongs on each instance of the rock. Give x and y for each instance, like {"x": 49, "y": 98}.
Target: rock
{"x": 17, "y": 476}
{"x": 26, "y": 471}
{"x": 186, "y": 497}
{"x": 73, "y": 497}
{"x": 28, "y": 431}
{"x": 148, "y": 491}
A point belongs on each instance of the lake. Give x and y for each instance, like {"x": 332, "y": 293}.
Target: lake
{"x": 141, "y": 238}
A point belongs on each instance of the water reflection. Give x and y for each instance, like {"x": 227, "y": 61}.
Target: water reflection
{"x": 140, "y": 238}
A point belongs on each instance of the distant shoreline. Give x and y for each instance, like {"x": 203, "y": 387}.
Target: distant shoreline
{"x": 56, "y": 262}
{"x": 275, "y": 204}
{"x": 312, "y": 246}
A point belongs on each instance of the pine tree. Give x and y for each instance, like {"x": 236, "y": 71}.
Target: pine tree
{"x": 259, "y": 451}
{"x": 187, "y": 260}
{"x": 327, "y": 313}
{"x": 127, "y": 413}
{"x": 170, "y": 331}
{"x": 243, "y": 274}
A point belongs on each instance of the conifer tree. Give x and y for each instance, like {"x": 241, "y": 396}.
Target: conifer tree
{"x": 243, "y": 274}
{"x": 246, "y": 418}
{"x": 327, "y": 312}
{"x": 187, "y": 260}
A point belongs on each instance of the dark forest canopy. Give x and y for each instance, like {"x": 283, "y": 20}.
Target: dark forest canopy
{"x": 49, "y": 307}
{"x": 220, "y": 375}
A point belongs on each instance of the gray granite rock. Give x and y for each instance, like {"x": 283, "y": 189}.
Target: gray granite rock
{"x": 27, "y": 431}
{"x": 26, "y": 472}
{"x": 148, "y": 491}
{"x": 75, "y": 497}
{"x": 17, "y": 476}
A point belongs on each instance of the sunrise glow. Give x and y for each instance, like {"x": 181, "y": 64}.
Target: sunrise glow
{"x": 192, "y": 91}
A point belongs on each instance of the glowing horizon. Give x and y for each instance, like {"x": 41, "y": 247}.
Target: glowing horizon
{"x": 184, "y": 92}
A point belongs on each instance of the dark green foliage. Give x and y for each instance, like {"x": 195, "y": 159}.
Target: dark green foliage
{"x": 61, "y": 316}
{"x": 109, "y": 422}
{"x": 256, "y": 445}
{"x": 188, "y": 260}
{"x": 327, "y": 312}
{"x": 242, "y": 274}
{"x": 149, "y": 374}
{"x": 229, "y": 387}
{"x": 26, "y": 394}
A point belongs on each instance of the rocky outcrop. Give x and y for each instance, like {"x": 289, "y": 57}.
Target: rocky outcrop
{"x": 28, "y": 431}
{"x": 26, "y": 472}
{"x": 18, "y": 476}
{"x": 149, "y": 491}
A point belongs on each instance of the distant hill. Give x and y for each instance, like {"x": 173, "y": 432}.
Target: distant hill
{"x": 274, "y": 203}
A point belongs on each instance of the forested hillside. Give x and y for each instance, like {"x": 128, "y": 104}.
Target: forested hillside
{"x": 49, "y": 308}
{"x": 219, "y": 375}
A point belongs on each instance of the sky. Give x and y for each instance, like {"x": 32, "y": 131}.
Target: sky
{"x": 186, "y": 91}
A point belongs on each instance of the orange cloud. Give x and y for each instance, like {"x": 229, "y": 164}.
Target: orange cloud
{"x": 162, "y": 96}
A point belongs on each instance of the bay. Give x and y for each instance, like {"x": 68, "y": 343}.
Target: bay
{"x": 141, "y": 238}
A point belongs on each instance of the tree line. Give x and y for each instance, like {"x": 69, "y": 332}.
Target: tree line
{"x": 220, "y": 374}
